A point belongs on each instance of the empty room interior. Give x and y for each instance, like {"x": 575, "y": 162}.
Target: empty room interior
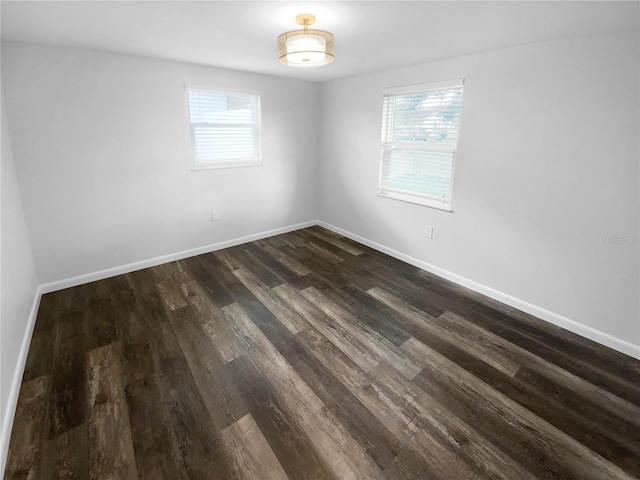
{"x": 320, "y": 240}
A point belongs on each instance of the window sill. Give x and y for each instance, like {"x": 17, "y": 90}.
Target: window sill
{"x": 216, "y": 166}
{"x": 416, "y": 200}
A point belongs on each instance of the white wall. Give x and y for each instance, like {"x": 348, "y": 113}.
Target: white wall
{"x": 547, "y": 166}
{"x": 104, "y": 170}
{"x": 18, "y": 282}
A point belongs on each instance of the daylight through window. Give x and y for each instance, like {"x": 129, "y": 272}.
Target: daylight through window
{"x": 225, "y": 128}
{"x": 419, "y": 139}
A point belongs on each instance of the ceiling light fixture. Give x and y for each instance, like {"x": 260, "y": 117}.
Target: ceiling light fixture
{"x": 305, "y": 48}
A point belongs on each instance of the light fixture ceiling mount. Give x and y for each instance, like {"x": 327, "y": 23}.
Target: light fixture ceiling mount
{"x": 305, "y": 48}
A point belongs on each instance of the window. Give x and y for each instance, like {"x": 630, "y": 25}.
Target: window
{"x": 225, "y": 128}
{"x": 419, "y": 140}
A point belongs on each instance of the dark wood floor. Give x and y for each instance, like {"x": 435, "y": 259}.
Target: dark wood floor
{"x": 309, "y": 356}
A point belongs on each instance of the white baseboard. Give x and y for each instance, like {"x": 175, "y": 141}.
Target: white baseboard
{"x": 152, "y": 262}
{"x": 551, "y": 317}
{"x": 12, "y": 401}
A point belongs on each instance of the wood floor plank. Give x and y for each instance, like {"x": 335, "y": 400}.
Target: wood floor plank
{"x": 580, "y": 459}
{"x": 373, "y": 435}
{"x": 111, "y": 452}
{"x": 295, "y": 452}
{"x": 346, "y": 457}
{"x": 369, "y": 257}
{"x": 318, "y": 281}
{"x": 201, "y": 447}
{"x": 463, "y": 440}
{"x": 137, "y": 360}
{"x": 154, "y": 441}
{"x": 424, "y": 300}
{"x": 391, "y": 415}
{"x": 607, "y": 435}
{"x": 373, "y": 342}
{"x": 168, "y": 359}
{"x": 207, "y": 280}
{"x": 598, "y": 377}
{"x": 67, "y": 405}
{"x": 326, "y": 231}
{"x": 603, "y": 398}
{"x": 448, "y": 464}
{"x": 613, "y": 373}
{"x": 363, "y": 425}
{"x": 224, "y": 404}
{"x": 337, "y": 242}
{"x": 219, "y": 270}
{"x": 288, "y": 261}
{"x": 99, "y": 315}
{"x": 409, "y": 466}
{"x": 384, "y": 404}
{"x": 69, "y": 300}
{"x": 331, "y": 272}
{"x": 493, "y": 357}
{"x": 608, "y": 361}
{"x": 334, "y": 246}
{"x": 426, "y": 441}
{"x": 66, "y": 457}
{"x": 222, "y": 337}
{"x": 45, "y": 319}
{"x": 273, "y": 264}
{"x": 354, "y": 265}
{"x": 315, "y": 249}
{"x": 40, "y": 357}
{"x": 539, "y": 460}
{"x": 170, "y": 294}
{"x": 100, "y": 320}
{"x": 227, "y": 259}
{"x": 280, "y": 374}
{"x": 259, "y": 269}
{"x": 463, "y": 334}
{"x": 292, "y": 240}
{"x": 252, "y": 457}
{"x": 275, "y": 241}
{"x": 27, "y": 434}
{"x": 174, "y": 271}
{"x": 287, "y": 315}
{"x": 369, "y": 311}
{"x": 111, "y": 285}
{"x": 333, "y": 441}
{"x": 564, "y": 408}
{"x": 341, "y": 338}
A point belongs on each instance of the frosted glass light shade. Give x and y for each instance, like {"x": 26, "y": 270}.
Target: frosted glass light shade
{"x": 303, "y": 49}
{"x": 306, "y": 49}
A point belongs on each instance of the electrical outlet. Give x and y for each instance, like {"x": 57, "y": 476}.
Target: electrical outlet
{"x": 215, "y": 215}
{"x": 428, "y": 231}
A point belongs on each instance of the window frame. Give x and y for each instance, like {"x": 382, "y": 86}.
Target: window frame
{"x": 256, "y": 126}
{"x": 386, "y": 144}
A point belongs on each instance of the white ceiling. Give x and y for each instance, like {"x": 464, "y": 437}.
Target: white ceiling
{"x": 369, "y": 35}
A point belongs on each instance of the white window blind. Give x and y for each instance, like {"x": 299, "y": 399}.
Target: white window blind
{"x": 225, "y": 128}
{"x": 419, "y": 139}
